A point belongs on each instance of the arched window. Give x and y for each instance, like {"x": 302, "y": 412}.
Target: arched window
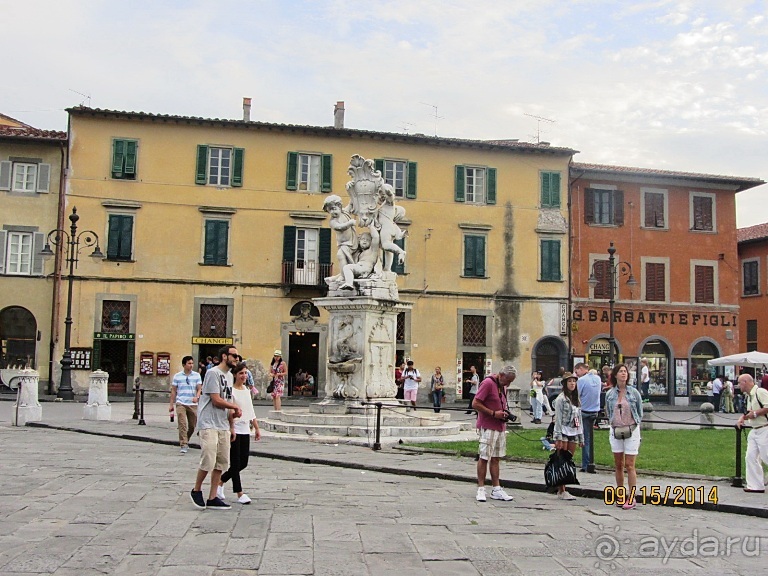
{"x": 18, "y": 336}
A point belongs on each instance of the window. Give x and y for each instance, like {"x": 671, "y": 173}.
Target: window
{"x": 550, "y": 261}
{"x": 655, "y": 282}
{"x": 120, "y": 237}
{"x": 399, "y": 174}
{"x": 550, "y": 189}
{"x": 216, "y": 242}
{"x": 704, "y": 284}
{"x": 20, "y": 252}
{"x": 474, "y": 256}
{"x": 475, "y": 185}
{"x": 751, "y": 335}
{"x": 751, "y": 277}
{"x": 602, "y": 271}
{"x": 604, "y": 206}
{"x": 124, "y": 159}
{"x": 25, "y": 176}
{"x": 654, "y": 208}
{"x": 219, "y": 166}
{"x": 306, "y": 255}
{"x": 703, "y": 211}
{"x": 473, "y": 330}
{"x": 309, "y": 172}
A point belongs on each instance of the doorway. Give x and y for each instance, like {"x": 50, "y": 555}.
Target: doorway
{"x": 205, "y": 350}
{"x": 476, "y": 359}
{"x": 114, "y": 360}
{"x": 303, "y": 354}
{"x": 18, "y": 337}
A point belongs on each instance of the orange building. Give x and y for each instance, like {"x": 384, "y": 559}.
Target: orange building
{"x": 753, "y": 263}
{"x": 674, "y": 284}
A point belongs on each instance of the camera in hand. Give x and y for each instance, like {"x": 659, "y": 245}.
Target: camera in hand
{"x": 509, "y": 417}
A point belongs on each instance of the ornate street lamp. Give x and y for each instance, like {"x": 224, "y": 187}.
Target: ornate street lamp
{"x": 615, "y": 269}
{"x": 73, "y": 242}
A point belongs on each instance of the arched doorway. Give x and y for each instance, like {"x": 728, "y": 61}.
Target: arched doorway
{"x": 549, "y": 355}
{"x": 701, "y": 372}
{"x": 658, "y": 355}
{"x": 18, "y": 337}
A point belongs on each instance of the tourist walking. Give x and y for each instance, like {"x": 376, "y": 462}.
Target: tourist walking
{"x": 277, "y": 372}
{"x": 491, "y": 405}
{"x": 436, "y": 389}
{"x": 728, "y": 407}
{"x": 214, "y": 429}
{"x": 399, "y": 395}
{"x": 537, "y": 397}
{"x": 240, "y": 435}
{"x": 411, "y": 379}
{"x": 568, "y": 426}
{"x": 645, "y": 379}
{"x": 590, "y": 388}
{"x": 717, "y": 391}
{"x": 185, "y": 392}
{"x": 624, "y": 409}
{"x": 474, "y": 383}
{"x": 756, "y": 418}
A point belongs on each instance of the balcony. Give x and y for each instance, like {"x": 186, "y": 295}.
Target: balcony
{"x": 306, "y": 273}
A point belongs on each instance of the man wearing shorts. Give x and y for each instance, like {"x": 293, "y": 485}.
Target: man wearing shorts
{"x": 213, "y": 426}
{"x": 490, "y": 403}
{"x": 411, "y": 379}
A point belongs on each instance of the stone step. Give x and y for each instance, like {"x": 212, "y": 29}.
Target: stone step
{"x": 418, "y": 418}
{"x": 278, "y": 426}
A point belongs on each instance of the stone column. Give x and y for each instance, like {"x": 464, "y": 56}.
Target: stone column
{"x": 27, "y": 409}
{"x": 98, "y": 406}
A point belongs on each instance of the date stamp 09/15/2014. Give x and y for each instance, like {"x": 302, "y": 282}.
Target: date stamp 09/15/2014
{"x": 660, "y": 495}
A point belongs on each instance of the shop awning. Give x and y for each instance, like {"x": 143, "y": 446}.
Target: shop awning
{"x": 742, "y": 359}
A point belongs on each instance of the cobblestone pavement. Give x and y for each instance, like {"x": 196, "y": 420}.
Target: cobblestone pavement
{"x": 81, "y": 504}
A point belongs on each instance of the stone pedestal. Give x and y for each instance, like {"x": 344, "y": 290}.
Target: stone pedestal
{"x": 513, "y": 404}
{"x": 647, "y": 414}
{"x": 361, "y": 349}
{"x": 27, "y": 408}
{"x": 98, "y": 406}
{"x": 707, "y": 416}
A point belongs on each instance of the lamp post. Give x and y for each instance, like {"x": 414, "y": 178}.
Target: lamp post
{"x": 73, "y": 242}
{"x": 615, "y": 269}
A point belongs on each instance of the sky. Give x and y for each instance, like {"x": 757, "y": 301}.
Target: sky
{"x": 666, "y": 84}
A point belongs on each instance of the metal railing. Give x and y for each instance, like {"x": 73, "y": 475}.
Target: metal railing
{"x": 306, "y": 273}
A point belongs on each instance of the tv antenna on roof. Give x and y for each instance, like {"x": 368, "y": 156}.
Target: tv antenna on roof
{"x": 435, "y": 116}
{"x": 539, "y": 120}
{"x": 86, "y": 96}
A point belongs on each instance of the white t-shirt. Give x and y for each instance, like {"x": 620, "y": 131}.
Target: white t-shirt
{"x": 243, "y": 399}
{"x": 645, "y": 374}
{"x": 410, "y": 375}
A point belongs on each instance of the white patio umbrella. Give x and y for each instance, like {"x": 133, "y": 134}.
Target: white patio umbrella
{"x": 753, "y": 359}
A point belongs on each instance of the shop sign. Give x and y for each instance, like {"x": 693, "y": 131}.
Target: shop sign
{"x": 600, "y": 346}
{"x": 645, "y": 317}
{"x": 204, "y": 340}
{"x": 112, "y": 336}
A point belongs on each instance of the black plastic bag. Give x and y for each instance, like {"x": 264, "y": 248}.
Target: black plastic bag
{"x": 560, "y": 470}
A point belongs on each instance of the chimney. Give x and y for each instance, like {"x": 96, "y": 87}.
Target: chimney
{"x": 338, "y": 115}
{"x": 246, "y": 109}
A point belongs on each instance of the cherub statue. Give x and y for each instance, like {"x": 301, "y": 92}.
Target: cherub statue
{"x": 366, "y": 260}
{"x": 344, "y": 225}
{"x": 388, "y": 215}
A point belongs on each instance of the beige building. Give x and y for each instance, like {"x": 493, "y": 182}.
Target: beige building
{"x": 214, "y": 233}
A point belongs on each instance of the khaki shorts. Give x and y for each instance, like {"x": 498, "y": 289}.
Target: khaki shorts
{"x": 493, "y": 444}
{"x": 214, "y": 450}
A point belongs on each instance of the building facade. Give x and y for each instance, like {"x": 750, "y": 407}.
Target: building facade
{"x": 675, "y": 275}
{"x": 753, "y": 264}
{"x": 30, "y": 167}
{"x": 214, "y": 233}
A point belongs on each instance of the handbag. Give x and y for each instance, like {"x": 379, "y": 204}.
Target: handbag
{"x": 560, "y": 469}
{"x": 271, "y": 387}
{"x": 623, "y": 432}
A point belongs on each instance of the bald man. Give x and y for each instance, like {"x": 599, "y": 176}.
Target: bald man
{"x": 757, "y": 441}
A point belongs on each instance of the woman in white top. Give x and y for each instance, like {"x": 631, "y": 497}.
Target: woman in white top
{"x": 241, "y": 434}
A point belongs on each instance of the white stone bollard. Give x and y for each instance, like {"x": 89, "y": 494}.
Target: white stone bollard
{"x": 707, "y": 416}
{"x": 28, "y": 408}
{"x": 98, "y": 406}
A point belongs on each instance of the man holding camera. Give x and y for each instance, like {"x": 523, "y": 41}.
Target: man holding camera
{"x": 492, "y": 415}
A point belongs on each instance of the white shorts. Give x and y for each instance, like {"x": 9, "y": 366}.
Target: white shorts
{"x": 493, "y": 444}
{"x": 410, "y": 395}
{"x": 630, "y": 446}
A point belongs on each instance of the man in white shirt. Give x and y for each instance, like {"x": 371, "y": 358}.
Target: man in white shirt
{"x": 411, "y": 379}
{"x": 645, "y": 378}
{"x": 717, "y": 390}
{"x": 757, "y": 441}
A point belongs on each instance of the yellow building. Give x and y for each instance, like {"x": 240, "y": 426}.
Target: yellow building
{"x": 215, "y": 233}
{"x": 30, "y": 168}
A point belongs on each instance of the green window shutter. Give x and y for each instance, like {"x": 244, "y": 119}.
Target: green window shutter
{"x": 480, "y": 256}
{"x": 118, "y": 154}
{"x": 396, "y": 266}
{"x": 618, "y": 207}
{"x": 589, "y": 206}
{"x": 325, "y": 246}
{"x": 120, "y": 237}
{"x": 410, "y": 190}
{"x": 545, "y": 265}
{"x": 490, "y": 193}
{"x": 460, "y": 173}
{"x": 469, "y": 255}
{"x": 289, "y": 243}
{"x": 378, "y": 163}
{"x": 327, "y": 171}
{"x": 130, "y": 353}
{"x": 126, "y": 237}
{"x": 550, "y": 260}
{"x": 130, "y": 157}
{"x": 554, "y": 190}
{"x": 237, "y": 167}
{"x": 222, "y": 246}
{"x": 113, "y": 238}
{"x": 201, "y": 176}
{"x": 291, "y": 171}
{"x": 216, "y": 241}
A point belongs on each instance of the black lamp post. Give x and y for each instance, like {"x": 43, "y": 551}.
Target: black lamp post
{"x": 73, "y": 242}
{"x": 615, "y": 269}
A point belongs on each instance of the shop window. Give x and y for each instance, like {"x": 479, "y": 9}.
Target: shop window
{"x": 657, "y": 353}
{"x": 701, "y": 372}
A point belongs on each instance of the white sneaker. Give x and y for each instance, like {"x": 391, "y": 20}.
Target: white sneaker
{"x": 481, "y": 494}
{"x": 244, "y": 499}
{"x": 220, "y": 493}
{"x": 498, "y": 494}
{"x": 184, "y": 449}
{"x": 565, "y": 495}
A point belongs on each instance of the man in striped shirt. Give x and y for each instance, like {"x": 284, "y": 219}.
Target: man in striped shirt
{"x": 185, "y": 392}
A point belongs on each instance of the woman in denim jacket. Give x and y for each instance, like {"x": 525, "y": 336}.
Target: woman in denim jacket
{"x": 624, "y": 407}
{"x": 568, "y": 430}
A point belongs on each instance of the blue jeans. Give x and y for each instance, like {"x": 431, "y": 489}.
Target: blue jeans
{"x": 437, "y": 398}
{"x": 538, "y": 409}
{"x": 589, "y": 419}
